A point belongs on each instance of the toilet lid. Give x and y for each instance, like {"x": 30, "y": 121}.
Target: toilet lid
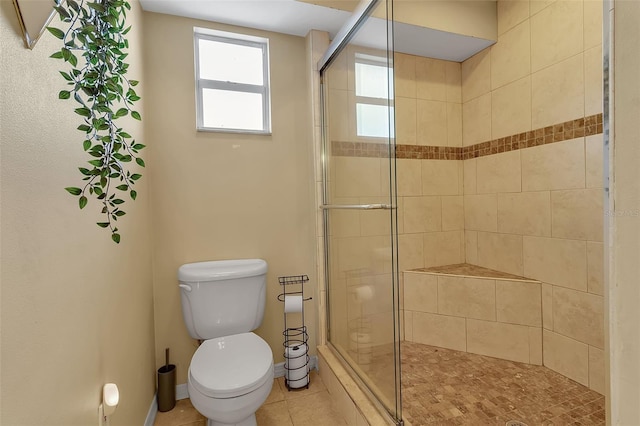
{"x": 231, "y": 366}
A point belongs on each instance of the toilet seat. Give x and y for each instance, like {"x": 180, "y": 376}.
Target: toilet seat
{"x": 231, "y": 366}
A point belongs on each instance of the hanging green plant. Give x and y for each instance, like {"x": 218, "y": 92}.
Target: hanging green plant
{"x": 96, "y": 33}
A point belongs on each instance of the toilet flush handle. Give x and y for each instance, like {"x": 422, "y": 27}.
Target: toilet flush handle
{"x": 185, "y": 287}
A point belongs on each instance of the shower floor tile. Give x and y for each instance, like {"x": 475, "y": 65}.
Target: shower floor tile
{"x": 447, "y": 387}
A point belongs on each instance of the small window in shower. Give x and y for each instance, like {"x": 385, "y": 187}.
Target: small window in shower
{"x": 373, "y": 91}
{"x": 232, "y": 82}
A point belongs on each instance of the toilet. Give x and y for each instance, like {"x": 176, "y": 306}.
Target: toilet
{"x": 231, "y": 373}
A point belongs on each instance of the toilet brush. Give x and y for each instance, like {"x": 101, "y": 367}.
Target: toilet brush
{"x": 166, "y": 385}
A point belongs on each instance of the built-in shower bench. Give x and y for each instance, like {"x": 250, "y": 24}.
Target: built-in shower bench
{"x": 474, "y": 309}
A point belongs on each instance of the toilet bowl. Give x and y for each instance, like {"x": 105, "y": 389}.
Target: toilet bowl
{"x": 230, "y": 378}
{"x": 231, "y": 373}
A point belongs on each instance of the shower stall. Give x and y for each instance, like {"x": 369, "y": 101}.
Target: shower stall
{"x": 360, "y": 202}
{"x": 463, "y": 260}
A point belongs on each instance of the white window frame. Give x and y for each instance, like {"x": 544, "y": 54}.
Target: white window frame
{"x": 202, "y": 83}
{"x": 379, "y": 61}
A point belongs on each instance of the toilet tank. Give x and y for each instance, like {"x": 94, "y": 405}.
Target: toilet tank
{"x": 221, "y": 298}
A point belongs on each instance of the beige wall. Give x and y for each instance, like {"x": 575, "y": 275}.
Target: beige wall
{"x": 77, "y": 309}
{"x": 225, "y": 196}
{"x": 624, "y": 225}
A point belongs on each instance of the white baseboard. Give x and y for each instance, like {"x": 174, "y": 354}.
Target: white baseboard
{"x": 182, "y": 392}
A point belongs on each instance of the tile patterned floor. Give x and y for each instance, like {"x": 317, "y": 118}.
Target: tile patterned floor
{"x": 440, "y": 387}
{"x": 446, "y": 387}
{"x": 304, "y": 407}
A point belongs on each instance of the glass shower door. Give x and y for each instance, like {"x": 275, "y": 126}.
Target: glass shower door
{"x": 360, "y": 214}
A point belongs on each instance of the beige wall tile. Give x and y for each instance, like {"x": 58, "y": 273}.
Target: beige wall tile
{"x": 422, "y": 214}
{"x": 579, "y": 315}
{"x": 578, "y": 214}
{"x": 420, "y": 292}
{"x": 410, "y": 251}
{"x": 440, "y": 330}
{"x": 339, "y": 113}
{"x": 511, "y": 13}
{"x": 467, "y": 297}
{"x": 405, "y": 120}
{"x": 470, "y": 176}
{"x": 566, "y": 356}
{"x": 471, "y": 246}
{"x": 556, "y": 261}
{"x": 481, "y": 212}
{"x": 476, "y": 75}
{"x": 439, "y": 177}
{"x": 404, "y": 70}
{"x": 558, "y": 165}
{"x": 556, "y": 33}
{"x": 511, "y": 55}
{"x": 432, "y": 127}
{"x": 594, "y": 161}
{"x": 409, "y": 177}
{"x": 595, "y": 268}
{"x": 557, "y": 92}
{"x": 376, "y": 222}
{"x": 356, "y": 176}
{"x": 525, "y": 213}
{"x": 431, "y": 79}
{"x": 597, "y": 380}
{"x": 593, "y": 79}
{"x": 344, "y": 223}
{"x": 476, "y": 120}
{"x": 443, "y": 248}
{"x": 408, "y": 326}
{"x": 547, "y": 306}
{"x": 499, "y": 173}
{"x": 535, "y": 345}
{"x": 511, "y": 108}
{"x": 519, "y": 302}
{"x": 452, "y": 213}
{"x": 453, "y": 72}
{"x": 507, "y": 341}
{"x": 536, "y": 6}
{"x": 502, "y": 252}
{"x": 592, "y": 23}
{"x": 359, "y": 253}
{"x": 454, "y": 124}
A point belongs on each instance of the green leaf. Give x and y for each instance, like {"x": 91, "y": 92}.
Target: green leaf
{"x": 138, "y": 146}
{"x": 121, "y": 112}
{"x": 116, "y": 238}
{"x": 72, "y": 59}
{"x": 86, "y": 144}
{"x": 74, "y": 191}
{"x": 119, "y": 213}
{"x": 136, "y": 176}
{"x": 133, "y": 194}
{"x": 96, "y": 6}
{"x": 133, "y": 82}
{"x": 82, "y": 202}
{"x": 140, "y": 161}
{"x": 117, "y": 201}
{"x": 64, "y": 94}
{"x": 84, "y": 128}
{"x": 136, "y": 115}
{"x": 96, "y": 163}
{"x": 56, "y": 55}
{"x": 122, "y": 187}
{"x": 65, "y": 76}
{"x": 56, "y": 32}
{"x": 85, "y": 112}
{"x": 102, "y": 224}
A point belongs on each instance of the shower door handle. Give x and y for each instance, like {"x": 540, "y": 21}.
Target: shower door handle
{"x": 357, "y": 207}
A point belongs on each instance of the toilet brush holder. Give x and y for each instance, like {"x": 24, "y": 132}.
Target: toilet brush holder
{"x": 166, "y": 386}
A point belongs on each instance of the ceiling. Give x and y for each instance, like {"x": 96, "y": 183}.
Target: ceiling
{"x": 298, "y": 18}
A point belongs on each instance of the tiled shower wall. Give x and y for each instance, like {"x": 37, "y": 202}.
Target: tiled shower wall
{"x": 529, "y": 208}
{"x": 538, "y": 211}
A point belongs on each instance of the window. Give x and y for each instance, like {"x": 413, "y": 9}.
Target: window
{"x": 372, "y": 96}
{"x": 232, "y": 82}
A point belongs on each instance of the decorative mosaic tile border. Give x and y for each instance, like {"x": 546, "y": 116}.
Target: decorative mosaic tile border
{"x": 572, "y": 129}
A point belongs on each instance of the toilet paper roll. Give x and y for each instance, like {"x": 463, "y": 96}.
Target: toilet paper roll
{"x": 296, "y": 366}
{"x": 292, "y": 304}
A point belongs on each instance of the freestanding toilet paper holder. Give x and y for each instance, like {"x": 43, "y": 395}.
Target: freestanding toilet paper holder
{"x": 296, "y": 347}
